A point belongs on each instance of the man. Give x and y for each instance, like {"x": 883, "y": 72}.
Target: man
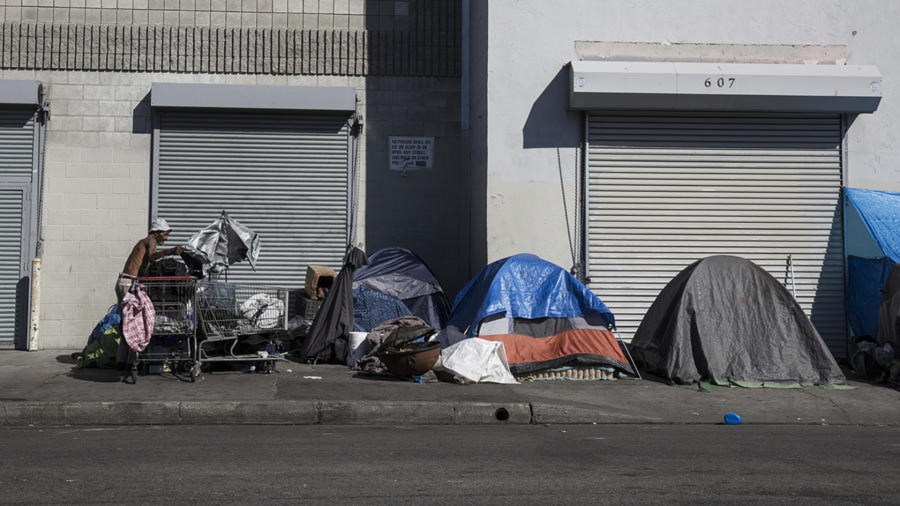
{"x": 143, "y": 253}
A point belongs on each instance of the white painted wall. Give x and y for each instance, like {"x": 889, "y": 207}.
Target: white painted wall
{"x": 529, "y": 41}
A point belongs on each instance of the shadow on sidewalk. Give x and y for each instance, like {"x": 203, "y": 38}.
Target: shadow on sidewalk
{"x": 92, "y": 374}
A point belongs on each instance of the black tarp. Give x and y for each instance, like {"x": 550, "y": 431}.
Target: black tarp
{"x": 401, "y": 273}
{"x": 327, "y": 337}
{"x": 724, "y": 318}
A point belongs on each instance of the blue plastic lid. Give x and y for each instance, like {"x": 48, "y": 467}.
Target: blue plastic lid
{"x": 733, "y": 419}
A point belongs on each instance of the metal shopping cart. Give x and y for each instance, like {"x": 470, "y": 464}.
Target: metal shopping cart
{"x": 173, "y": 345}
{"x": 229, "y": 313}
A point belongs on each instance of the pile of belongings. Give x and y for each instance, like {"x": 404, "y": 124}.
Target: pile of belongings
{"x": 390, "y": 337}
{"x": 873, "y": 301}
{"x": 103, "y": 342}
{"x": 391, "y": 284}
{"x": 724, "y": 320}
{"x": 550, "y": 324}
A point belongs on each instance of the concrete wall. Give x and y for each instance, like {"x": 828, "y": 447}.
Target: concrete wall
{"x": 98, "y": 164}
{"x": 531, "y": 138}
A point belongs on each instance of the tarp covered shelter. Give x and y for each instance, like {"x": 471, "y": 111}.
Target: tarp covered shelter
{"x": 867, "y": 277}
{"x": 545, "y": 317}
{"x": 725, "y": 319}
{"x": 402, "y": 274}
{"x": 327, "y": 337}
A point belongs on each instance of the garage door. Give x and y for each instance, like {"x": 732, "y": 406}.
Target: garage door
{"x": 667, "y": 189}
{"x": 17, "y": 140}
{"x": 286, "y": 176}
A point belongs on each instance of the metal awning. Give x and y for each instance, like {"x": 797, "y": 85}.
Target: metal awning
{"x": 233, "y": 96}
{"x": 614, "y": 85}
{"x": 20, "y": 92}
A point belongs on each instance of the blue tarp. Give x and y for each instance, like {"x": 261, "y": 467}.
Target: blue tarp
{"x": 866, "y": 278}
{"x": 880, "y": 211}
{"x": 524, "y": 286}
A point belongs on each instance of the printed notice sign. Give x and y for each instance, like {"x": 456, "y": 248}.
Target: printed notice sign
{"x": 411, "y": 153}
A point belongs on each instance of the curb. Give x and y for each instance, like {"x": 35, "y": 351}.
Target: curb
{"x": 60, "y": 413}
{"x": 25, "y": 413}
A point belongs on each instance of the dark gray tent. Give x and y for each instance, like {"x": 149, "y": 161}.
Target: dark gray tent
{"x": 724, "y": 318}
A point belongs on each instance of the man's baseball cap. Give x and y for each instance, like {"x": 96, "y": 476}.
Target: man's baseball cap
{"x": 160, "y": 225}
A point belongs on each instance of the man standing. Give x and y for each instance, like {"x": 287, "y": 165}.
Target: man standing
{"x": 143, "y": 253}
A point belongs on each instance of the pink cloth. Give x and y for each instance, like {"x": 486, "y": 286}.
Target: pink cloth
{"x": 138, "y": 318}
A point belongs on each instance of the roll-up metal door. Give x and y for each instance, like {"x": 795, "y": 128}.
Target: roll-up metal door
{"x": 17, "y": 163}
{"x": 13, "y": 221}
{"x": 286, "y": 176}
{"x": 666, "y": 189}
{"x": 16, "y": 144}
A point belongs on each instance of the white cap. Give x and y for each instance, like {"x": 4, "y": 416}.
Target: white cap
{"x": 160, "y": 225}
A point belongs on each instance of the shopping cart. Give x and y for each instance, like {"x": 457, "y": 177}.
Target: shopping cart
{"x": 173, "y": 344}
{"x": 229, "y": 313}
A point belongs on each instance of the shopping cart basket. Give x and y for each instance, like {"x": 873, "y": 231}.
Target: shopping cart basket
{"x": 173, "y": 345}
{"x": 229, "y": 312}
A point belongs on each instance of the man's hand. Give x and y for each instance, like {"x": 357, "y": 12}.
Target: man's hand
{"x": 179, "y": 250}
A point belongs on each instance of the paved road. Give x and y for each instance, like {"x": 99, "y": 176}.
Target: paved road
{"x": 585, "y": 464}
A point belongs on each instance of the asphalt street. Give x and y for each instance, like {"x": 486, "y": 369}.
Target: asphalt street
{"x": 558, "y": 464}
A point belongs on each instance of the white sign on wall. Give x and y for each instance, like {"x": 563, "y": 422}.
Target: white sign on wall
{"x": 411, "y": 153}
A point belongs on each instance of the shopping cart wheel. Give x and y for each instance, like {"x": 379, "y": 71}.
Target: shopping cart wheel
{"x": 195, "y": 371}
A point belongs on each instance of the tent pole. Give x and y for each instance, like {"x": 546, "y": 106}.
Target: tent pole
{"x": 627, "y": 354}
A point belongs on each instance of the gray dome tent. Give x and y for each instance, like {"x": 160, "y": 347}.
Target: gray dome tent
{"x": 724, "y": 318}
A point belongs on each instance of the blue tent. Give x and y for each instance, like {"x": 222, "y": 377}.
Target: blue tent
{"x": 880, "y": 212}
{"x": 524, "y": 286}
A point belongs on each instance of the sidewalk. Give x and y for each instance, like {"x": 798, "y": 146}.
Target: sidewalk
{"x": 44, "y": 388}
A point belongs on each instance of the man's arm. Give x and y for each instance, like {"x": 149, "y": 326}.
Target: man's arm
{"x": 156, "y": 255}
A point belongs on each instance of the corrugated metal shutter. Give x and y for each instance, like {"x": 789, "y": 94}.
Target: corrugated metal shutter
{"x": 667, "y": 189}
{"x": 284, "y": 176}
{"x": 17, "y": 137}
{"x": 16, "y": 144}
{"x": 12, "y": 218}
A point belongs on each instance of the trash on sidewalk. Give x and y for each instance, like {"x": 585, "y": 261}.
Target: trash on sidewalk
{"x": 476, "y": 361}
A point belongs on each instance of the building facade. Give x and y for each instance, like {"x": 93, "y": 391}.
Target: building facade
{"x": 569, "y": 132}
{"x": 666, "y": 162}
{"x": 283, "y": 118}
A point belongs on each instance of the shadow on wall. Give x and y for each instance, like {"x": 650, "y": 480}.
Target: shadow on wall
{"x": 23, "y": 303}
{"x": 426, "y": 210}
{"x": 141, "y": 122}
{"x": 822, "y": 311}
{"x": 550, "y": 123}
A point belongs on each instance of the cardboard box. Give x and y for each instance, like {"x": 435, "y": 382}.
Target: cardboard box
{"x": 318, "y": 277}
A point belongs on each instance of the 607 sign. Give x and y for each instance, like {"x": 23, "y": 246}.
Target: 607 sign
{"x": 722, "y": 82}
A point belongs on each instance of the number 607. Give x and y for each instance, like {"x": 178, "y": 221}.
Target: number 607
{"x": 722, "y": 82}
